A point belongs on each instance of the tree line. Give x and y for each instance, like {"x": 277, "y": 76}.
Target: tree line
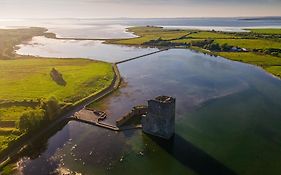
{"x": 47, "y": 111}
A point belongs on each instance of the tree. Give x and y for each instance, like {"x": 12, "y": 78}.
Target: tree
{"x": 226, "y": 47}
{"x": 213, "y": 47}
{"x": 31, "y": 120}
{"x": 51, "y": 107}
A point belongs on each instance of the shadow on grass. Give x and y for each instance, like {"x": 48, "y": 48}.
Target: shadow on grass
{"x": 192, "y": 157}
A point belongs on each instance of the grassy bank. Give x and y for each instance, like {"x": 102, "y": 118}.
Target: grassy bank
{"x": 27, "y": 83}
{"x": 263, "y": 46}
{"x": 252, "y": 58}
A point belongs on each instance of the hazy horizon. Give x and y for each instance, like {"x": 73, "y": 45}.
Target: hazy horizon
{"x": 183, "y": 17}
{"x": 138, "y": 9}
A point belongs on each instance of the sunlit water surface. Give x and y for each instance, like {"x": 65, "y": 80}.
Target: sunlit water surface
{"x": 92, "y": 49}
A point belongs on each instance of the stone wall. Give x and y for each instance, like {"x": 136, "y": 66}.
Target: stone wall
{"x": 136, "y": 111}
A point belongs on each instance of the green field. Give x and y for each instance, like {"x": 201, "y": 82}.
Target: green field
{"x": 212, "y": 35}
{"x": 12, "y": 112}
{"x": 26, "y": 82}
{"x": 29, "y": 78}
{"x": 250, "y": 43}
{"x": 188, "y": 40}
{"x": 179, "y": 36}
{"x": 266, "y": 31}
{"x": 150, "y": 33}
{"x": 252, "y": 58}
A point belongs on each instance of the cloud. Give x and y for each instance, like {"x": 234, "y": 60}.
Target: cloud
{"x": 182, "y": 1}
{"x": 138, "y": 8}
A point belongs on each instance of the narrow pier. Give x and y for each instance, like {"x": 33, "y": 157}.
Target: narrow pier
{"x": 99, "y": 124}
{"x": 89, "y": 117}
{"x": 130, "y": 59}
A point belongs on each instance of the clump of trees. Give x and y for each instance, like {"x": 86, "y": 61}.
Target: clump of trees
{"x": 207, "y": 44}
{"x": 212, "y": 46}
{"x": 202, "y": 43}
{"x": 163, "y": 43}
{"x": 47, "y": 111}
{"x": 51, "y": 107}
{"x": 31, "y": 120}
{"x": 225, "y": 47}
{"x": 253, "y": 35}
{"x": 57, "y": 77}
{"x": 269, "y": 51}
{"x": 158, "y": 42}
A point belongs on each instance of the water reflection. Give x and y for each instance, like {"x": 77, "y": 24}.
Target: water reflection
{"x": 190, "y": 77}
{"x": 46, "y": 47}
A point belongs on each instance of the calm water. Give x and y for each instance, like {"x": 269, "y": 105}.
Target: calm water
{"x": 227, "y": 121}
{"x": 46, "y": 47}
{"x": 80, "y": 28}
{"x": 115, "y": 28}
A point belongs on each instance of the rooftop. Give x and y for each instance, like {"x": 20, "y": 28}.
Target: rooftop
{"x": 164, "y": 99}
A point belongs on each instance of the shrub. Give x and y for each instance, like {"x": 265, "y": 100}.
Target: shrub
{"x": 31, "y": 120}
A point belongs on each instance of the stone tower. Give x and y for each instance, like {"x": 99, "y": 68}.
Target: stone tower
{"x": 160, "y": 118}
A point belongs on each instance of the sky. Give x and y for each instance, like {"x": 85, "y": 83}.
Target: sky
{"x": 137, "y": 8}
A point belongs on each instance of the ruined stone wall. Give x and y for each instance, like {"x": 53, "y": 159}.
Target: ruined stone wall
{"x": 136, "y": 111}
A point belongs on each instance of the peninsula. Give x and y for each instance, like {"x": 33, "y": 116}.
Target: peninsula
{"x": 260, "y": 47}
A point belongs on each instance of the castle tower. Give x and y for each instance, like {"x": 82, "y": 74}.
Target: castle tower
{"x": 160, "y": 119}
